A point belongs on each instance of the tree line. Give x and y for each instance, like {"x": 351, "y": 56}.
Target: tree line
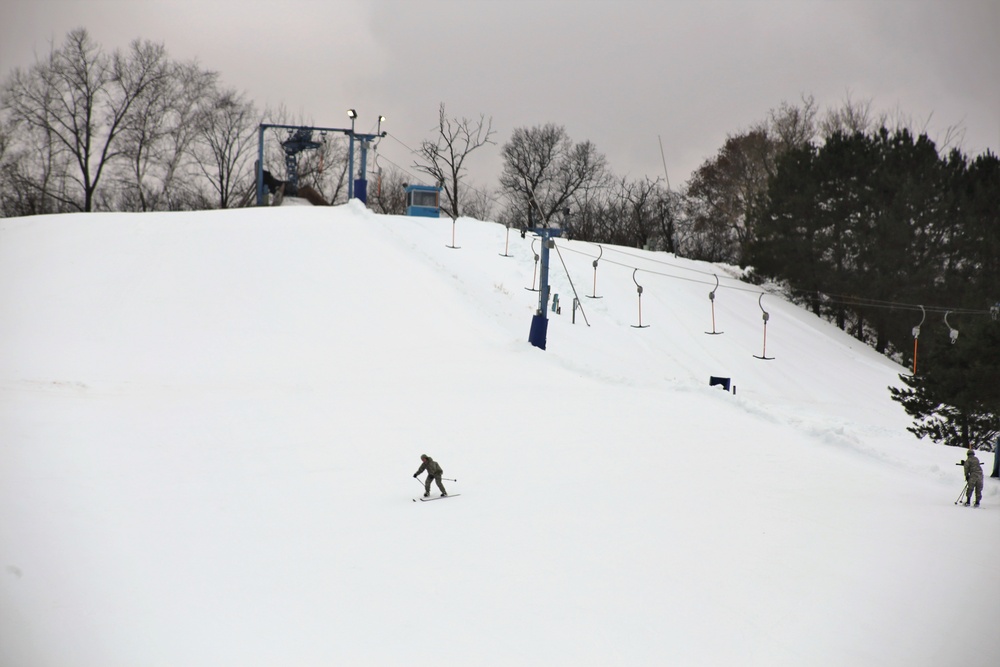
{"x": 878, "y": 230}
{"x": 83, "y": 129}
{"x": 855, "y": 215}
{"x": 131, "y": 130}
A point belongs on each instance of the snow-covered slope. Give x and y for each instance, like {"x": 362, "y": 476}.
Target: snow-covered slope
{"x": 210, "y": 421}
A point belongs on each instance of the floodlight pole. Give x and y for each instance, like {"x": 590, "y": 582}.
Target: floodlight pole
{"x": 365, "y": 140}
{"x": 260, "y": 165}
{"x": 352, "y": 114}
{"x": 363, "y": 173}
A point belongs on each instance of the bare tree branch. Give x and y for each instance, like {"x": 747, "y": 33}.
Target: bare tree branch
{"x": 444, "y": 158}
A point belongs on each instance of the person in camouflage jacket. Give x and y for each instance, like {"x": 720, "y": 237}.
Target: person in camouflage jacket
{"x": 973, "y": 477}
{"x": 434, "y": 473}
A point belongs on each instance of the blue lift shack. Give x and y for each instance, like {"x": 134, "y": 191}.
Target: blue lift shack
{"x": 423, "y": 201}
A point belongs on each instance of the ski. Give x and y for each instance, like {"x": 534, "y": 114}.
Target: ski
{"x": 450, "y": 495}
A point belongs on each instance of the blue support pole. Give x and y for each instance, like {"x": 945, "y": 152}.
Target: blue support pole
{"x": 350, "y": 159}
{"x": 260, "y": 166}
{"x": 543, "y": 287}
{"x": 361, "y": 187}
{"x": 539, "y": 330}
{"x": 540, "y": 322}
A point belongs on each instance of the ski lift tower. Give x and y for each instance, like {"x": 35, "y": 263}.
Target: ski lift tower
{"x": 359, "y": 187}
{"x": 300, "y": 139}
{"x": 547, "y": 232}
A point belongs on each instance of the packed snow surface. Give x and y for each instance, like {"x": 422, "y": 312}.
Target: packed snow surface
{"x": 210, "y": 422}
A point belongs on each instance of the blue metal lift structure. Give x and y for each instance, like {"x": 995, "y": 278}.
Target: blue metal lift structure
{"x": 300, "y": 139}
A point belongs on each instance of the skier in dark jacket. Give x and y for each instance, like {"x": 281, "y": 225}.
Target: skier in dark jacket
{"x": 973, "y": 477}
{"x": 434, "y": 473}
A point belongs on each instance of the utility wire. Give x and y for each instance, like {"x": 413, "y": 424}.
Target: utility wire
{"x": 841, "y": 299}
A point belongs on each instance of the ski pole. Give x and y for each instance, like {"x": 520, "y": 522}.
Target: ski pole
{"x": 965, "y": 489}
{"x": 446, "y": 479}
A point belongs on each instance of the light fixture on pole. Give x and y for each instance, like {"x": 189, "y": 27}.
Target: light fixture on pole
{"x": 381, "y": 119}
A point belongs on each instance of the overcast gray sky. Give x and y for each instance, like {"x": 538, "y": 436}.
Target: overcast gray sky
{"x": 620, "y": 73}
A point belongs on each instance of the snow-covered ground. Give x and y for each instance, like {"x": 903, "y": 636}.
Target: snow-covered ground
{"x": 209, "y": 423}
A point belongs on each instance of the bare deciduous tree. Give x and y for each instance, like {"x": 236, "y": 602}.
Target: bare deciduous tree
{"x": 158, "y": 138}
{"x": 479, "y": 203}
{"x": 444, "y": 158}
{"x": 851, "y": 117}
{"x": 793, "y": 126}
{"x": 33, "y": 172}
{"x": 647, "y": 219}
{"x": 543, "y": 171}
{"x": 388, "y": 192}
{"x": 639, "y": 213}
{"x": 226, "y": 143}
{"x": 721, "y": 192}
{"x": 79, "y": 98}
